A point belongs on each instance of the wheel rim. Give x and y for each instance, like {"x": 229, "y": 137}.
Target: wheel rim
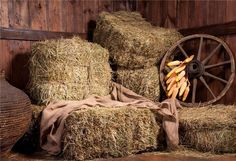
{"x": 198, "y": 68}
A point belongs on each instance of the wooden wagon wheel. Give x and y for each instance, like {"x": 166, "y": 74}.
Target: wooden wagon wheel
{"x": 197, "y": 69}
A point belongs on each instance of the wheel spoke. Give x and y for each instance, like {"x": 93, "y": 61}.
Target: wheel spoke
{"x": 200, "y": 49}
{"x": 211, "y": 54}
{"x": 216, "y": 65}
{"x": 182, "y": 50}
{"x": 204, "y": 82}
{"x": 215, "y": 77}
{"x": 194, "y": 90}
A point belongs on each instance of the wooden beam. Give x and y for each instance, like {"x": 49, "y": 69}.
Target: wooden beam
{"x": 35, "y": 35}
{"x": 217, "y": 29}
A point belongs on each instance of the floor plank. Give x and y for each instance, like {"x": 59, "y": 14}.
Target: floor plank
{"x": 156, "y": 156}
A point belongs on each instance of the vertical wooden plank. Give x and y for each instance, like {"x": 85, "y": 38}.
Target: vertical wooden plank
{"x": 105, "y": 5}
{"x": 78, "y": 19}
{"x": 192, "y": 13}
{"x": 230, "y": 10}
{"x": 38, "y": 17}
{"x": 5, "y": 61}
{"x": 183, "y": 14}
{"x": 18, "y": 12}
{"x": 170, "y": 14}
{"x": 200, "y": 18}
{"x": 54, "y": 15}
{"x": 144, "y": 8}
{"x": 132, "y": 5}
{"x": 216, "y": 14}
{"x": 90, "y": 13}
{"x": 120, "y": 5}
{"x": 157, "y": 13}
{"x": 19, "y": 17}
{"x": 229, "y": 97}
{"x": 4, "y": 20}
{"x": 67, "y": 15}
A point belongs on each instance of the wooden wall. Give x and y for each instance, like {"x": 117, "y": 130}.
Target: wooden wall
{"x": 77, "y": 15}
{"x": 48, "y": 15}
{"x": 195, "y": 13}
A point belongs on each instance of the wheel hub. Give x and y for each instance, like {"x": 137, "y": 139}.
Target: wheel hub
{"x": 195, "y": 69}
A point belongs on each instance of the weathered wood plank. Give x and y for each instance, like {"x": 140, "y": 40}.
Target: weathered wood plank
{"x": 183, "y": 14}
{"x": 201, "y": 8}
{"x": 38, "y": 17}
{"x": 230, "y": 40}
{"x": 54, "y": 15}
{"x": 120, "y": 5}
{"x": 169, "y": 13}
{"x": 4, "y": 20}
{"x": 90, "y": 13}
{"x": 18, "y": 12}
{"x": 79, "y": 17}
{"x": 143, "y": 7}
{"x": 105, "y": 5}
{"x": 217, "y": 29}
{"x": 5, "y": 60}
{"x": 155, "y": 15}
{"x": 67, "y": 16}
{"x": 34, "y": 35}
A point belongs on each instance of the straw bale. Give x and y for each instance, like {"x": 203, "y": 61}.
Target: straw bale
{"x": 69, "y": 69}
{"x": 209, "y": 129}
{"x": 109, "y": 132}
{"x": 29, "y": 142}
{"x": 142, "y": 81}
{"x": 132, "y": 41}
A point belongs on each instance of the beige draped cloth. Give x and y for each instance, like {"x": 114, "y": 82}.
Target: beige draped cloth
{"x": 55, "y": 114}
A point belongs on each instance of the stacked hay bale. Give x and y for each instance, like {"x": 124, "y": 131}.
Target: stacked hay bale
{"x": 209, "y": 129}
{"x": 109, "y": 132}
{"x": 136, "y": 47}
{"x": 68, "y": 69}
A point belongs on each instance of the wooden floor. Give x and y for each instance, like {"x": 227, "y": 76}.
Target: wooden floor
{"x": 179, "y": 156}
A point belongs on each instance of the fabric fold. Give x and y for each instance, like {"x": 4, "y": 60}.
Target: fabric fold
{"x": 55, "y": 114}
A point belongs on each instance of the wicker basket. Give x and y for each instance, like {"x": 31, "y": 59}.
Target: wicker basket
{"x": 15, "y": 114}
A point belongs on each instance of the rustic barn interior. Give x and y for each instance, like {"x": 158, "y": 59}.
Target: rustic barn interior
{"x": 24, "y": 22}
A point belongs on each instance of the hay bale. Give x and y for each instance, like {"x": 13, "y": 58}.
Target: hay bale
{"x": 132, "y": 41}
{"x": 109, "y": 132}
{"x": 142, "y": 81}
{"x": 29, "y": 142}
{"x": 68, "y": 69}
{"x": 209, "y": 129}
